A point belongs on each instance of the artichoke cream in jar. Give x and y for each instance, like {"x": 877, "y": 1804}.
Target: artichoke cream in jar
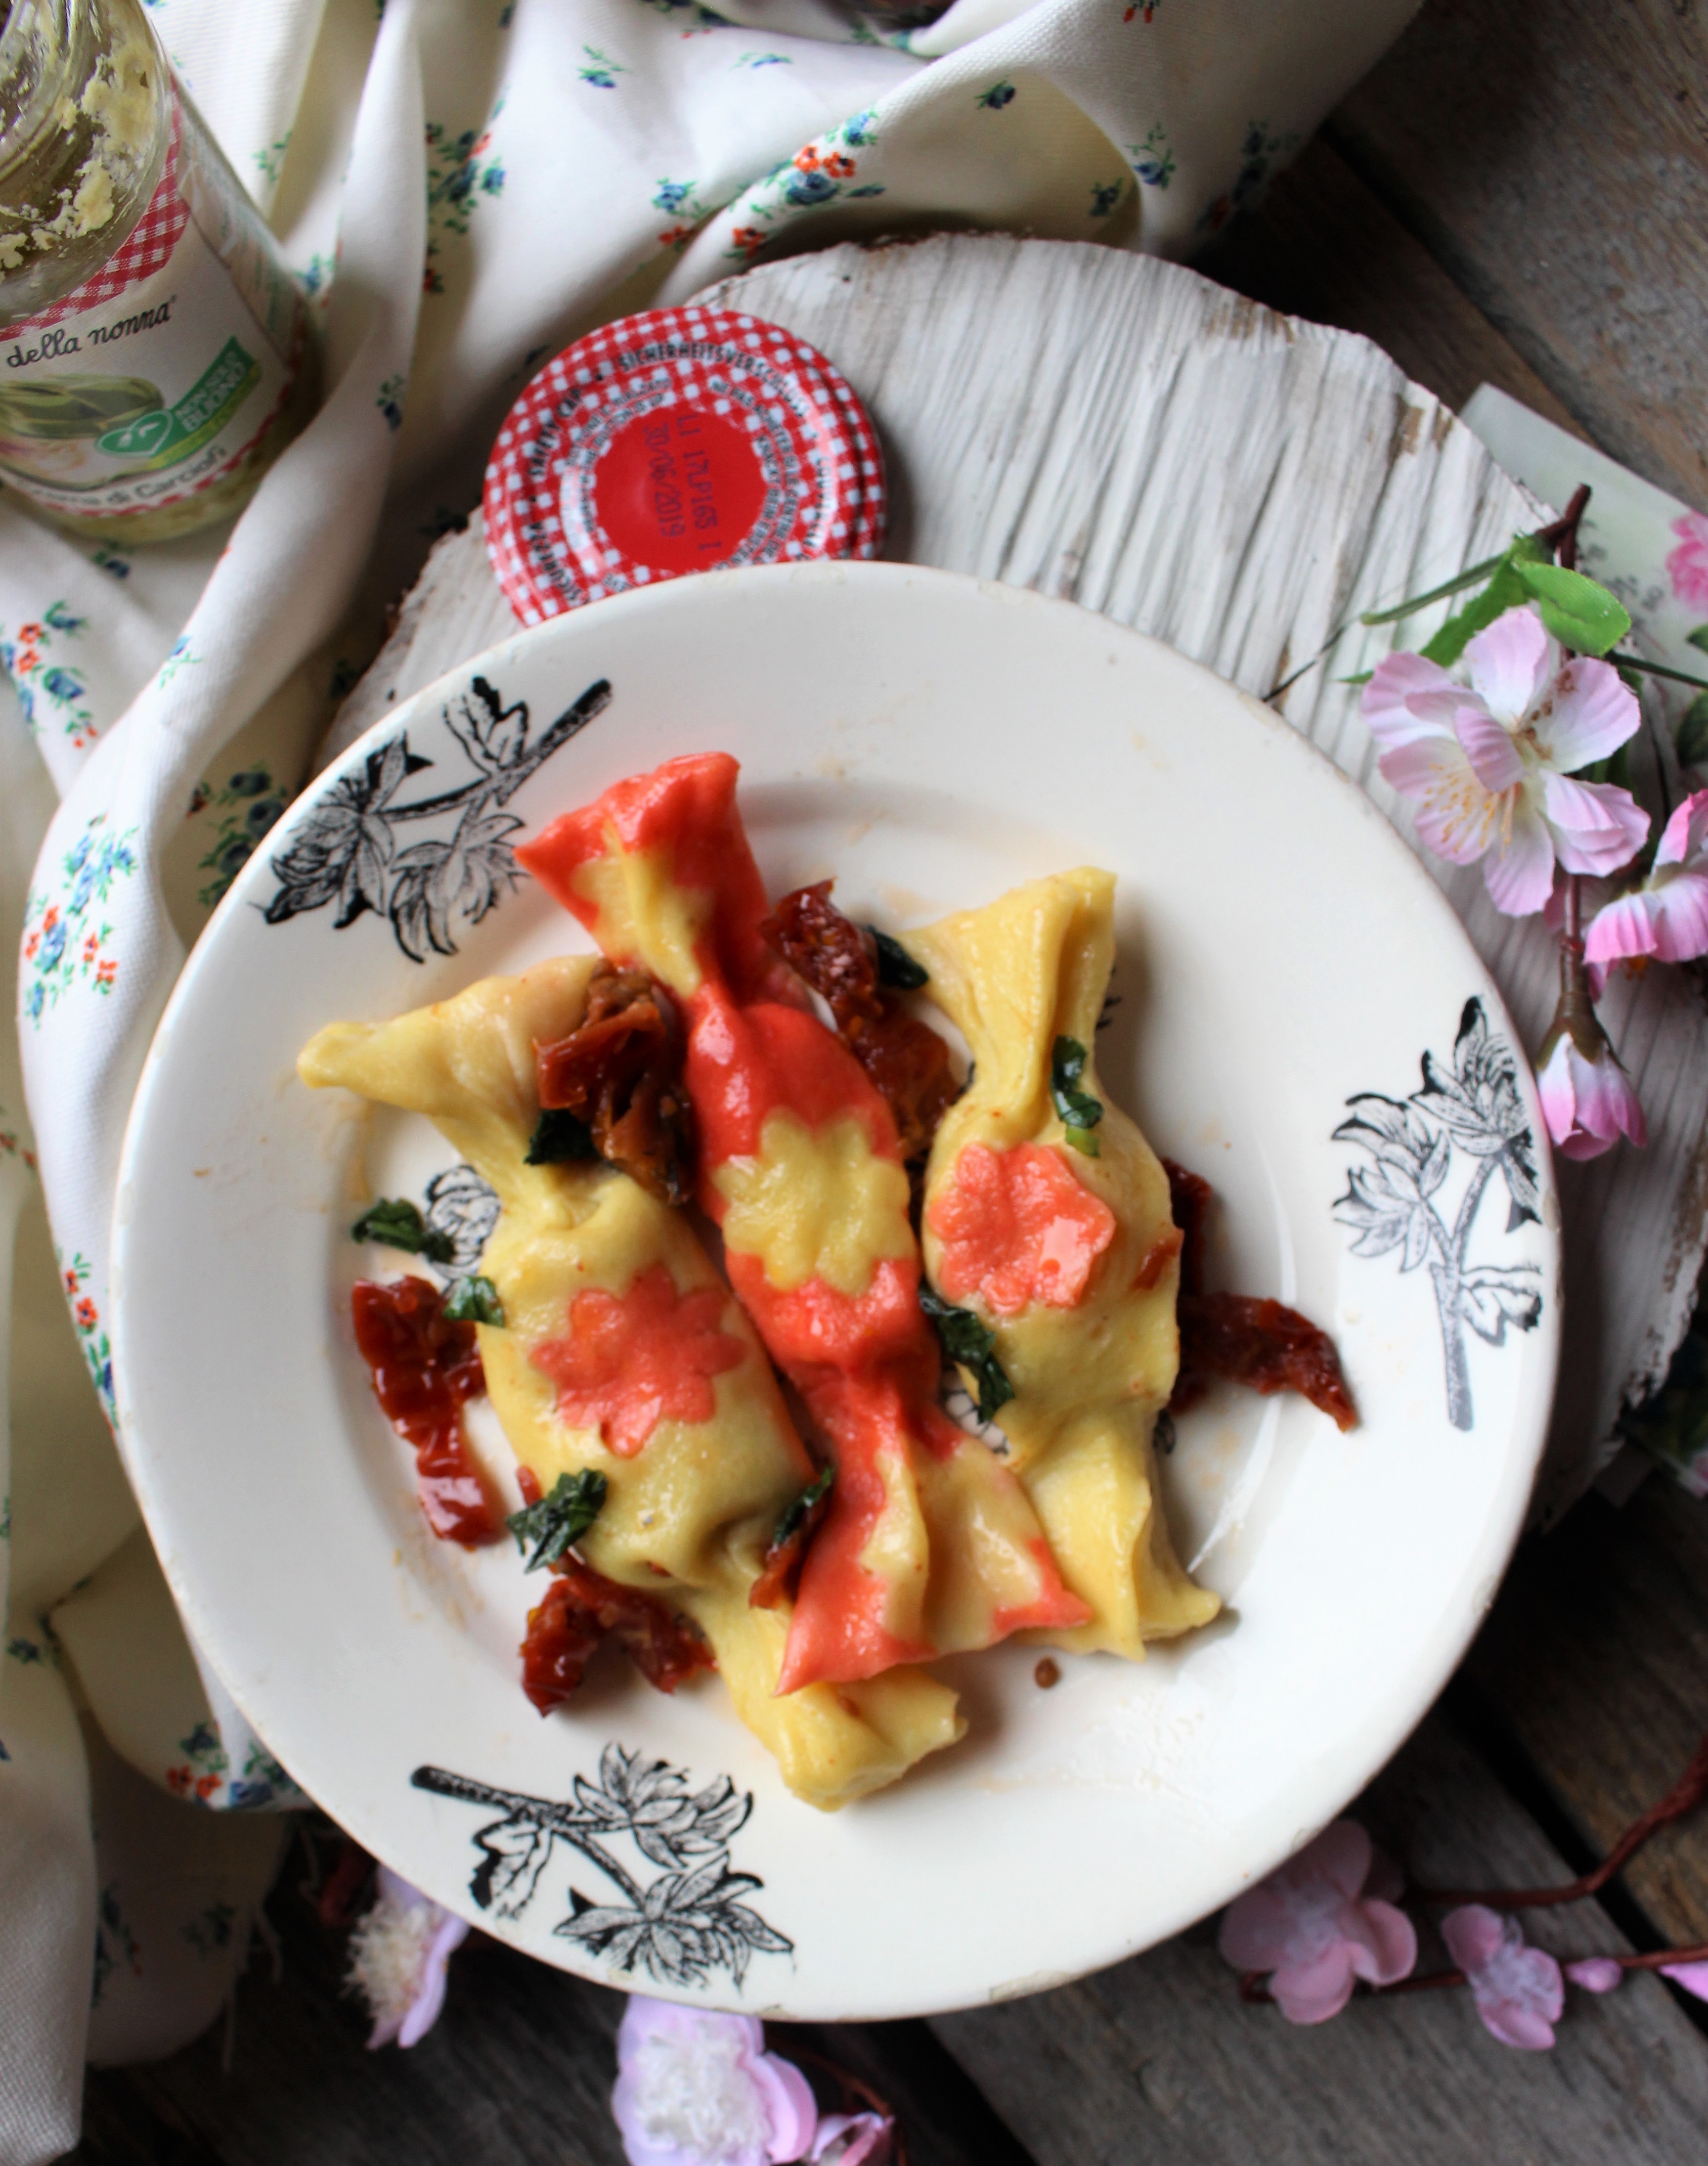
{"x": 154, "y": 354}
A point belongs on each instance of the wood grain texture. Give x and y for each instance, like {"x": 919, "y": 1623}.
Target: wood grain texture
{"x": 1554, "y": 159}
{"x": 1157, "y": 2060}
{"x": 1596, "y": 1655}
{"x": 518, "y": 2070}
{"x": 1121, "y": 432}
{"x": 1321, "y": 244}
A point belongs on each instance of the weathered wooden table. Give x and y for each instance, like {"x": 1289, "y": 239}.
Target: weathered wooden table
{"x": 1519, "y": 196}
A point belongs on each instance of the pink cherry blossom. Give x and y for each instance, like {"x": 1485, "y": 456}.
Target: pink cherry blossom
{"x": 1596, "y": 1973}
{"x": 1518, "y": 1989}
{"x": 1489, "y": 765}
{"x": 1687, "y": 567}
{"x": 398, "y": 1952}
{"x": 1587, "y": 1099}
{"x": 1692, "y": 1976}
{"x": 1668, "y": 916}
{"x": 698, "y": 2089}
{"x": 852, "y": 2139}
{"x": 1319, "y": 1921}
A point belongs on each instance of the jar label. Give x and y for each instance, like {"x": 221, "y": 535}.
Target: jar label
{"x": 150, "y": 381}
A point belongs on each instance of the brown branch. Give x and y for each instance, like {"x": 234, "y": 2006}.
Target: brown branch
{"x": 1660, "y": 1959}
{"x": 1562, "y": 536}
{"x": 856, "y": 2090}
{"x": 1685, "y": 1796}
{"x": 1656, "y": 1959}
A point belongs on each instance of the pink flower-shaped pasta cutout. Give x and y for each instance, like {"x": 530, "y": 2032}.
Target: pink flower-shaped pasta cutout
{"x": 698, "y": 2089}
{"x": 1489, "y": 765}
{"x": 1687, "y": 566}
{"x": 1668, "y": 916}
{"x": 1017, "y": 1227}
{"x": 1518, "y": 1989}
{"x": 1319, "y": 1922}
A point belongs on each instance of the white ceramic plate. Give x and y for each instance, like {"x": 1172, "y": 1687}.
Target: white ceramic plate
{"x": 930, "y": 742}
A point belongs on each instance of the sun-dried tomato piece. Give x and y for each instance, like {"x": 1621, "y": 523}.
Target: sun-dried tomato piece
{"x": 1189, "y": 1205}
{"x": 620, "y": 1072}
{"x": 1263, "y": 1345}
{"x": 424, "y": 1366}
{"x": 580, "y": 1608}
{"x": 561, "y": 1637}
{"x": 835, "y": 956}
{"x": 907, "y": 1061}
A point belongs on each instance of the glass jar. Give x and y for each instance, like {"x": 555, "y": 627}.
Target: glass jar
{"x": 156, "y": 356}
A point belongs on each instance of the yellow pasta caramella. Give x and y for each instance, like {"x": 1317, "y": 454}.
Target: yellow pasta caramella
{"x": 1080, "y": 1291}
{"x": 687, "y": 1513}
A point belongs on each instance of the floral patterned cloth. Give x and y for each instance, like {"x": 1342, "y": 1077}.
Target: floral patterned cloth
{"x": 462, "y": 186}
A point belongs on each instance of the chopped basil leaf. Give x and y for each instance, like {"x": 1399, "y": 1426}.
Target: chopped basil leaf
{"x": 972, "y": 1344}
{"x": 558, "y": 1520}
{"x": 559, "y": 1137}
{"x": 793, "y": 1517}
{"x": 896, "y": 968}
{"x": 397, "y": 1224}
{"x": 1079, "y": 1111}
{"x": 474, "y": 1299}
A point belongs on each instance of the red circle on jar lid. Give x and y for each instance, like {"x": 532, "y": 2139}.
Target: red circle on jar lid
{"x": 803, "y": 477}
{"x": 679, "y": 489}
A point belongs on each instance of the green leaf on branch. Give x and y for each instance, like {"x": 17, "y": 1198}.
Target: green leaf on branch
{"x": 559, "y": 1520}
{"x": 1457, "y": 585}
{"x": 1505, "y": 591}
{"x": 474, "y": 1299}
{"x": 1699, "y": 638}
{"x": 1579, "y": 612}
{"x": 1692, "y": 740}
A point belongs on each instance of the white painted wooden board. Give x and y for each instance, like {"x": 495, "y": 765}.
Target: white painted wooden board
{"x": 1119, "y": 431}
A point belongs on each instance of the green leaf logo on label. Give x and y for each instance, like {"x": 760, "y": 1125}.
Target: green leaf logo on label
{"x": 168, "y": 434}
{"x": 140, "y": 438}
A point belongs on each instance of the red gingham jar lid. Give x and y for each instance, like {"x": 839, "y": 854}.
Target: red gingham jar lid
{"x": 676, "y": 442}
